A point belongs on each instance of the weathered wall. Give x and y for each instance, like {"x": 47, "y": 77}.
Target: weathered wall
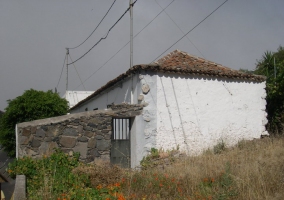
{"x": 196, "y": 112}
{"x": 143, "y": 128}
{"x": 120, "y": 93}
{"x": 88, "y": 133}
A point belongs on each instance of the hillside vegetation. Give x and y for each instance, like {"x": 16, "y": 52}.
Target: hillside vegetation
{"x": 250, "y": 170}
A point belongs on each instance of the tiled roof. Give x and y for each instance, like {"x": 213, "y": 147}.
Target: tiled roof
{"x": 180, "y": 62}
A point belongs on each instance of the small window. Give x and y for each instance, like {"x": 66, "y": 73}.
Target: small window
{"x": 121, "y": 129}
{"x": 95, "y": 109}
{"x": 86, "y": 109}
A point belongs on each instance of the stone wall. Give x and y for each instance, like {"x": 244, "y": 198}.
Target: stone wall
{"x": 88, "y": 133}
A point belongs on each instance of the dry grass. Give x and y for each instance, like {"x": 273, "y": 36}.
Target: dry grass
{"x": 101, "y": 174}
{"x": 250, "y": 170}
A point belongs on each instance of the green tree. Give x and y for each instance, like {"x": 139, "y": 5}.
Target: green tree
{"x": 274, "y": 71}
{"x": 31, "y": 105}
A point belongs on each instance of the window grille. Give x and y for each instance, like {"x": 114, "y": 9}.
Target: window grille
{"x": 121, "y": 129}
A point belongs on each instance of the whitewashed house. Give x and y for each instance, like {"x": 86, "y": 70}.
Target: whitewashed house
{"x": 191, "y": 104}
{"x": 74, "y": 97}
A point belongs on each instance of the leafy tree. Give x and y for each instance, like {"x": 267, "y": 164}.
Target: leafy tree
{"x": 274, "y": 88}
{"x": 31, "y": 105}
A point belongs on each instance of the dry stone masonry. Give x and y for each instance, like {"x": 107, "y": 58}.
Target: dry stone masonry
{"x": 88, "y": 133}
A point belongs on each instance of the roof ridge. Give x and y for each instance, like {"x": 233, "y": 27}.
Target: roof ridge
{"x": 180, "y": 62}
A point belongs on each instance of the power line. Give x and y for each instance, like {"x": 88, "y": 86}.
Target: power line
{"x": 180, "y": 29}
{"x": 95, "y": 28}
{"x": 191, "y": 29}
{"x": 103, "y": 37}
{"x": 61, "y": 71}
{"x": 77, "y": 72}
{"x": 126, "y": 43}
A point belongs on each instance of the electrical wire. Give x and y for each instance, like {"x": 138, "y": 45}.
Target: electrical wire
{"x": 180, "y": 30}
{"x": 191, "y": 30}
{"x": 126, "y": 44}
{"x": 103, "y": 38}
{"x": 61, "y": 71}
{"x": 95, "y": 28}
{"x": 77, "y": 72}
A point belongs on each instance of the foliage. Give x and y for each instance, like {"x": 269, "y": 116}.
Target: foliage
{"x": 219, "y": 147}
{"x": 158, "y": 157}
{"x": 52, "y": 178}
{"x": 31, "y": 105}
{"x": 250, "y": 170}
{"x": 274, "y": 87}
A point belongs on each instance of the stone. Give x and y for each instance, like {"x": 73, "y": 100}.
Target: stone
{"x": 95, "y": 121}
{"x": 66, "y": 150}
{"x": 105, "y": 157}
{"x": 82, "y": 149}
{"x": 48, "y": 139}
{"x": 26, "y": 132}
{"x": 92, "y": 125}
{"x": 43, "y": 148}
{"x": 103, "y": 145}
{"x": 52, "y": 146}
{"x": 70, "y": 132}
{"x": 147, "y": 119}
{"x": 87, "y": 128}
{"x": 35, "y": 143}
{"x": 53, "y": 131}
{"x": 67, "y": 142}
{"x": 33, "y": 130}
{"x": 24, "y": 140}
{"x": 80, "y": 129}
{"x": 141, "y": 97}
{"x": 40, "y": 133}
{"x": 30, "y": 153}
{"x": 99, "y": 137}
{"x": 92, "y": 155}
{"x": 89, "y": 134}
{"x": 92, "y": 143}
{"x": 76, "y": 120}
{"x": 145, "y": 88}
{"x": 135, "y": 113}
{"x": 82, "y": 139}
{"x": 45, "y": 128}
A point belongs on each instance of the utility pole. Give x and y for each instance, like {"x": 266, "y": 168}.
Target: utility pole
{"x": 131, "y": 45}
{"x": 274, "y": 69}
{"x": 131, "y": 32}
{"x": 67, "y": 54}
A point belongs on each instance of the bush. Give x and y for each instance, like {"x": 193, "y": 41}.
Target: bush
{"x": 52, "y": 178}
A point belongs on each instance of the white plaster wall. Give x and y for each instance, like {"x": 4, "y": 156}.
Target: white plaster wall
{"x": 120, "y": 93}
{"x": 195, "y": 113}
{"x": 144, "y": 130}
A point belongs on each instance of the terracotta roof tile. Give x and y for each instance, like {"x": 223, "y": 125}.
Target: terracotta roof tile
{"x": 181, "y": 63}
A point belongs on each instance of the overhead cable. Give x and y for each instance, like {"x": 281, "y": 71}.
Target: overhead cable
{"x": 95, "y": 28}
{"x": 77, "y": 72}
{"x": 180, "y": 29}
{"x": 191, "y": 30}
{"x": 126, "y": 44}
{"x": 103, "y": 37}
{"x": 61, "y": 71}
